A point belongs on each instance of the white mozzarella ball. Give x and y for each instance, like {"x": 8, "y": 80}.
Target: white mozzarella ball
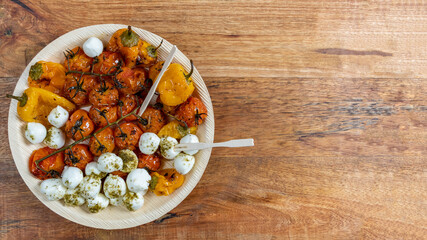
{"x": 133, "y": 201}
{"x": 167, "y": 147}
{"x": 130, "y": 160}
{"x": 58, "y": 117}
{"x": 53, "y": 189}
{"x": 35, "y": 132}
{"x": 89, "y": 187}
{"x": 138, "y": 180}
{"x": 116, "y": 201}
{"x": 109, "y": 162}
{"x": 190, "y": 138}
{"x": 92, "y": 169}
{"x": 93, "y": 47}
{"x": 148, "y": 143}
{"x": 72, "y": 198}
{"x": 55, "y": 138}
{"x": 114, "y": 186}
{"x": 183, "y": 163}
{"x": 71, "y": 177}
{"x": 98, "y": 203}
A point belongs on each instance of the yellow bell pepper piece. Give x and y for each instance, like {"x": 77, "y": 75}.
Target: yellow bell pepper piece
{"x": 175, "y": 130}
{"x": 176, "y": 85}
{"x": 35, "y": 104}
{"x": 166, "y": 181}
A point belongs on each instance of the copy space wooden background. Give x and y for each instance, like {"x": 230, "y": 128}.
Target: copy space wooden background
{"x": 333, "y": 92}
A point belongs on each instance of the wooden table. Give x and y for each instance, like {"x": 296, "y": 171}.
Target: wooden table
{"x": 333, "y": 92}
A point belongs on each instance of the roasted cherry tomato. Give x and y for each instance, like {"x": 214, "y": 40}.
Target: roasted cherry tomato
{"x": 102, "y": 142}
{"x": 152, "y": 120}
{"x": 130, "y": 81}
{"x": 53, "y": 165}
{"x": 120, "y": 174}
{"x": 104, "y": 94}
{"x": 193, "y": 112}
{"x": 79, "y": 125}
{"x": 127, "y": 135}
{"x": 107, "y": 62}
{"x": 100, "y": 115}
{"x": 78, "y": 156}
{"x": 127, "y": 104}
{"x": 151, "y": 162}
{"x": 77, "y": 87}
{"x": 76, "y": 59}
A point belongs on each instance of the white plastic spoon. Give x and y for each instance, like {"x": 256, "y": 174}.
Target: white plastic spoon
{"x": 232, "y": 143}
{"x": 156, "y": 83}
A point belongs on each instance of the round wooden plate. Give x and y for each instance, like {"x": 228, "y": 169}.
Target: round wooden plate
{"x": 112, "y": 217}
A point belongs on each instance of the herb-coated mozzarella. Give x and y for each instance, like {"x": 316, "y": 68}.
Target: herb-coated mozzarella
{"x": 114, "y": 186}
{"x": 190, "y": 138}
{"x": 58, "y": 117}
{"x": 93, "y": 47}
{"x": 72, "y": 198}
{"x": 35, "y": 132}
{"x": 55, "y": 138}
{"x": 89, "y": 187}
{"x": 92, "y": 169}
{"x": 133, "y": 201}
{"x": 167, "y": 147}
{"x": 116, "y": 201}
{"x": 98, "y": 203}
{"x": 71, "y": 177}
{"x": 53, "y": 189}
{"x": 138, "y": 180}
{"x": 109, "y": 162}
{"x": 130, "y": 160}
{"x": 148, "y": 143}
{"x": 183, "y": 163}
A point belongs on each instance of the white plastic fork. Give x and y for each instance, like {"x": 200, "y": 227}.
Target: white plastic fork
{"x": 232, "y": 143}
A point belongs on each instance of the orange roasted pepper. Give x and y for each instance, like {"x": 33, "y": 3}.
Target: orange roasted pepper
{"x": 166, "y": 181}
{"x": 175, "y": 86}
{"x": 35, "y": 104}
{"x": 135, "y": 50}
{"x": 47, "y": 75}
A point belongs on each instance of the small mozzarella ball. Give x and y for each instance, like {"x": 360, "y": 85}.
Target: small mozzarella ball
{"x": 35, "y": 132}
{"x": 58, "y": 117}
{"x": 89, "y": 187}
{"x": 55, "y": 138}
{"x": 133, "y": 201}
{"x": 116, "y": 201}
{"x": 53, "y": 189}
{"x": 190, "y": 138}
{"x": 130, "y": 160}
{"x": 183, "y": 163}
{"x": 71, "y": 177}
{"x": 98, "y": 203}
{"x": 138, "y": 180}
{"x": 109, "y": 162}
{"x": 72, "y": 198}
{"x": 114, "y": 186}
{"x": 148, "y": 143}
{"x": 93, "y": 47}
{"x": 167, "y": 147}
{"x": 92, "y": 169}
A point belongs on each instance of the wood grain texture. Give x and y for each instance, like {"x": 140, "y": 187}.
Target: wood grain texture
{"x": 334, "y": 93}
